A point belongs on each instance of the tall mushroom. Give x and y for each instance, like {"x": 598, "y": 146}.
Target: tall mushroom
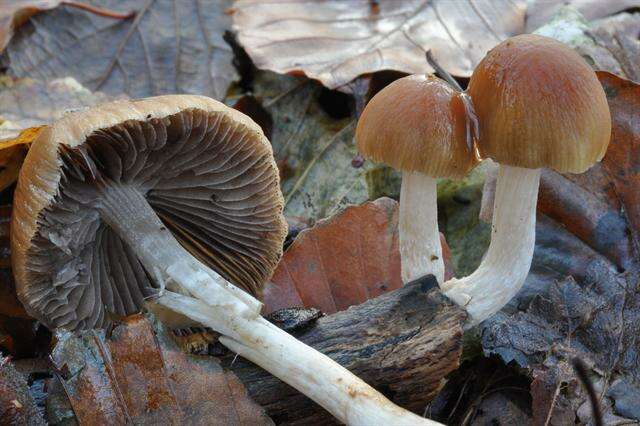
{"x": 116, "y": 202}
{"x": 422, "y": 126}
{"x": 539, "y": 104}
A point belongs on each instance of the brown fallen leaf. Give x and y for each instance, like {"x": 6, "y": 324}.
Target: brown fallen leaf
{"x": 168, "y": 47}
{"x": 137, "y": 375}
{"x": 342, "y": 261}
{"x": 336, "y": 41}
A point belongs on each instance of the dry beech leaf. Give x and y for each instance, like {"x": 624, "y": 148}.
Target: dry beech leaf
{"x": 336, "y": 41}
{"x": 138, "y": 375}
{"x": 168, "y": 47}
{"x": 342, "y": 261}
{"x": 582, "y": 296}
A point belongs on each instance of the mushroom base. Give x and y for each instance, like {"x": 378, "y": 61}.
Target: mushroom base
{"x": 508, "y": 259}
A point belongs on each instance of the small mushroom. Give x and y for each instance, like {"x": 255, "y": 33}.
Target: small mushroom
{"x": 422, "y": 126}
{"x": 116, "y": 202}
{"x": 539, "y": 104}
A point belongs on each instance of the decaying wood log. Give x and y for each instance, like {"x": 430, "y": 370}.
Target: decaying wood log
{"x": 403, "y": 343}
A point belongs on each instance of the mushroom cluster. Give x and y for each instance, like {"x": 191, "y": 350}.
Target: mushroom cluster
{"x": 538, "y": 104}
{"x": 175, "y": 201}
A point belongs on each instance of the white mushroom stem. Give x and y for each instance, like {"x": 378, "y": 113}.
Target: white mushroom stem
{"x": 420, "y": 248}
{"x": 508, "y": 259}
{"x": 317, "y": 376}
{"x": 232, "y": 312}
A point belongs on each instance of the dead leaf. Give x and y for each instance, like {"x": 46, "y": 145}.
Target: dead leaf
{"x": 14, "y": 13}
{"x": 336, "y": 41}
{"x": 168, "y": 47}
{"x": 17, "y": 406}
{"x": 27, "y": 104}
{"x": 138, "y": 375}
{"x": 342, "y": 261}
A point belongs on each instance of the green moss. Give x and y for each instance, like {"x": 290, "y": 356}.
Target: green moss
{"x": 383, "y": 181}
{"x": 458, "y": 208}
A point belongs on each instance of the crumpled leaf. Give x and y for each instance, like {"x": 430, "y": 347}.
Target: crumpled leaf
{"x": 336, "y": 41}
{"x": 342, "y": 261}
{"x": 28, "y": 103}
{"x": 582, "y": 296}
{"x": 137, "y": 375}
{"x": 168, "y": 47}
{"x": 17, "y": 406}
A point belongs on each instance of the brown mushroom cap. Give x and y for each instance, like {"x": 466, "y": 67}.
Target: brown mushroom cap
{"x": 419, "y": 123}
{"x": 539, "y": 104}
{"x": 206, "y": 170}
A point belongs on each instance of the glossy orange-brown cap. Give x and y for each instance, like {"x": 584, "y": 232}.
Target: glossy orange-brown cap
{"x": 419, "y": 123}
{"x": 539, "y": 104}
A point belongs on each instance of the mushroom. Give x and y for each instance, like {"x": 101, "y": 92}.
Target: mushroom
{"x": 422, "y": 126}
{"x": 116, "y": 202}
{"x": 539, "y": 104}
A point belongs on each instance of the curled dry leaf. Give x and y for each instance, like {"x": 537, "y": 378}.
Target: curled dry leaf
{"x": 168, "y": 47}
{"x": 336, "y": 41}
{"x": 342, "y": 261}
{"x": 138, "y": 375}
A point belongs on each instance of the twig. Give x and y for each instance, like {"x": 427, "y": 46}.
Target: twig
{"x": 441, "y": 71}
{"x": 581, "y": 371}
{"x": 106, "y": 13}
{"x": 553, "y": 404}
{"x": 434, "y": 64}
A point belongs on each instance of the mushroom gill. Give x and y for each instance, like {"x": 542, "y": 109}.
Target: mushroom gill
{"x": 203, "y": 176}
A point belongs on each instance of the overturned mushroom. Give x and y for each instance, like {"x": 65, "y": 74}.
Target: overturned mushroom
{"x": 115, "y": 202}
{"x": 420, "y": 125}
{"x": 539, "y": 104}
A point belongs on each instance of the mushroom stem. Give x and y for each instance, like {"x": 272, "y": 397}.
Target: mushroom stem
{"x": 232, "y": 312}
{"x": 125, "y": 210}
{"x": 420, "y": 248}
{"x": 340, "y": 392}
{"x": 508, "y": 259}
